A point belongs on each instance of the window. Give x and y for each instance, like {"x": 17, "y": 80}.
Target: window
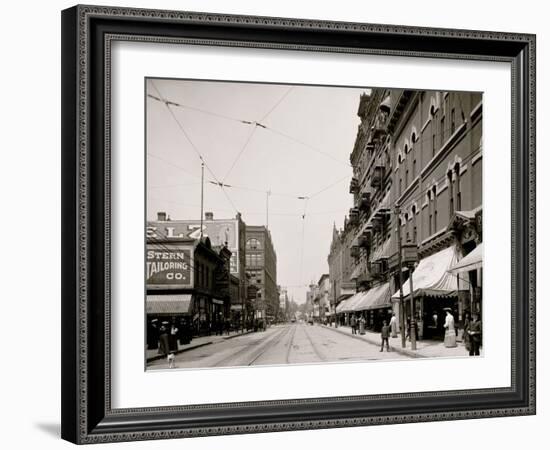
{"x": 414, "y": 168}
{"x": 451, "y": 195}
{"x": 400, "y": 186}
{"x": 406, "y": 178}
{"x": 442, "y": 128}
{"x": 413, "y": 217}
{"x": 254, "y": 260}
{"x": 433, "y": 144}
{"x": 458, "y": 193}
{"x": 452, "y": 121}
{"x": 434, "y": 189}
{"x": 253, "y": 244}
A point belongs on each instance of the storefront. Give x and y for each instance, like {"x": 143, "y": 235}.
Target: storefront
{"x": 470, "y": 269}
{"x": 165, "y": 310}
{"x": 375, "y": 306}
{"x": 434, "y": 289}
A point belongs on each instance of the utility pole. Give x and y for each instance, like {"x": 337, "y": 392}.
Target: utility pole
{"x": 202, "y": 194}
{"x": 413, "y": 318}
{"x": 397, "y": 211}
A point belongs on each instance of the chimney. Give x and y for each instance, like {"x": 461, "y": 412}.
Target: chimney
{"x": 161, "y": 216}
{"x": 208, "y": 216}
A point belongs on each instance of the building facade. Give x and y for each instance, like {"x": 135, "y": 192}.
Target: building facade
{"x": 188, "y": 283}
{"x": 230, "y": 233}
{"x": 322, "y": 298}
{"x": 261, "y": 268}
{"x": 417, "y": 186}
{"x": 437, "y": 140}
{"x": 340, "y": 265}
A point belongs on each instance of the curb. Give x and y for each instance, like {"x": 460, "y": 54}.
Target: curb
{"x": 237, "y": 335}
{"x": 193, "y": 347}
{"x": 364, "y": 338}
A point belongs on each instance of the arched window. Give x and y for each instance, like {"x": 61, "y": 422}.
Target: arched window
{"x": 413, "y": 216}
{"x": 434, "y": 190}
{"x": 253, "y": 244}
{"x": 458, "y": 201}
{"x": 450, "y": 182}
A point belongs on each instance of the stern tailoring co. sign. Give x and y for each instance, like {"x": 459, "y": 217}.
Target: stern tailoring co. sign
{"x": 220, "y": 232}
{"x": 169, "y": 266}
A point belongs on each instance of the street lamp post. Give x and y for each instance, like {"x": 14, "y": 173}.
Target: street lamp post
{"x": 410, "y": 257}
{"x": 397, "y": 212}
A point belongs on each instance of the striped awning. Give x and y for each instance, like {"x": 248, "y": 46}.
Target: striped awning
{"x": 168, "y": 304}
{"x": 432, "y": 276}
{"x": 472, "y": 261}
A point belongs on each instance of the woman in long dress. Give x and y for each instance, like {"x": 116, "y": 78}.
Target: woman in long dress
{"x": 450, "y": 334}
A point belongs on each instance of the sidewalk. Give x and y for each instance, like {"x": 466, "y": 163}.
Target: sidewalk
{"x": 196, "y": 342}
{"x": 424, "y": 348}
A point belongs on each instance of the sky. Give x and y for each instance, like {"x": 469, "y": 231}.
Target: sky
{"x": 303, "y": 152}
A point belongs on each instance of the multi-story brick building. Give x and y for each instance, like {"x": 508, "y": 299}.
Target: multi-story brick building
{"x": 228, "y": 233}
{"x": 261, "y": 267}
{"x": 417, "y": 181}
{"x": 438, "y": 171}
{"x": 340, "y": 265}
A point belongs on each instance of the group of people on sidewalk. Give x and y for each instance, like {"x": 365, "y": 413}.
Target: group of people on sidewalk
{"x": 471, "y": 335}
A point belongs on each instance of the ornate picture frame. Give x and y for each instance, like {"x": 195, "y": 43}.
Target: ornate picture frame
{"x": 87, "y": 35}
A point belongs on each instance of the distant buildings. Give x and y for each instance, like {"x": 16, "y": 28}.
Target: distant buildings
{"x": 261, "y": 268}
{"x": 340, "y": 265}
{"x": 222, "y": 267}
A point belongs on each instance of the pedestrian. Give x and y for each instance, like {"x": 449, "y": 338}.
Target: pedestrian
{"x": 164, "y": 345}
{"x": 466, "y": 335}
{"x": 173, "y": 337}
{"x": 362, "y": 323}
{"x": 153, "y": 335}
{"x": 227, "y": 326}
{"x": 474, "y": 330}
{"x": 449, "y": 325}
{"x": 353, "y": 323}
{"x": 393, "y": 326}
{"x": 385, "y": 334}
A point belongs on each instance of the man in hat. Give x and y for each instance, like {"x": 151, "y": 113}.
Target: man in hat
{"x": 474, "y": 331}
{"x": 449, "y": 325}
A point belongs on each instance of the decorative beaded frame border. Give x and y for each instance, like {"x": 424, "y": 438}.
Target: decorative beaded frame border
{"x": 75, "y": 415}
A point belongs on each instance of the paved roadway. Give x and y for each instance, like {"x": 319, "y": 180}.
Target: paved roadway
{"x": 296, "y": 343}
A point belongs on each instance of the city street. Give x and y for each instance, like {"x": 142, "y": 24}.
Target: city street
{"x": 296, "y": 343}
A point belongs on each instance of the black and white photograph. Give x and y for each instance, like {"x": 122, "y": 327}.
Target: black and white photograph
{"x": 305, "y": 224}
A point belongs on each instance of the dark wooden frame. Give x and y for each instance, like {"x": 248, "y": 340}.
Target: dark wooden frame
{"x": 87, "y": 32}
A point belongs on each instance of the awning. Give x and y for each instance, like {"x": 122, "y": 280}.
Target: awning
{"x": 168, "y": 304}
{"x": 382, "y": 251}
{"x": 472, "y": 261}
{"x": 432, "y": 276}
{"x": 376, "y": 297}
{"x": 349, "y": 304}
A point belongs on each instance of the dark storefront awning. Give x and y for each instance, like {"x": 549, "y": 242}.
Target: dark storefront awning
{"x": 376, "y": 297}
{"x": 168, "y": 304}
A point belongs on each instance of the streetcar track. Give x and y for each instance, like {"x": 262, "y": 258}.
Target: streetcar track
{"x": 314, "y": 347}
{"x": 267, "y": 345}
{"x": 289, "y": 347}
{"x": 263, "y": 346}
